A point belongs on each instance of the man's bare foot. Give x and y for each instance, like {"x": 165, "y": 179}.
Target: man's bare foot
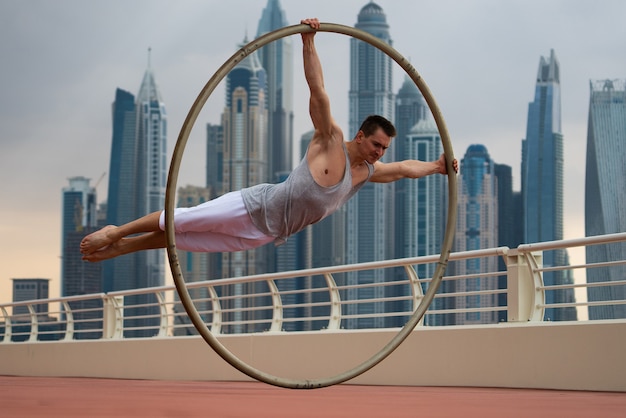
{"x": 108, "y": 251}
{"x": 97, "y": 241}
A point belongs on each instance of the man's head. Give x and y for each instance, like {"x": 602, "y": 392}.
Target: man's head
{"x": 373, "y": 122}
{"x": 374, "y": 137}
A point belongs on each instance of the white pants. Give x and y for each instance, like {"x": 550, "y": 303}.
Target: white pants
{"x": 219, "y": 225}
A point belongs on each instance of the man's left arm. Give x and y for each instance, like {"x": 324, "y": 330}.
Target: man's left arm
{"x": 413, "y": 169}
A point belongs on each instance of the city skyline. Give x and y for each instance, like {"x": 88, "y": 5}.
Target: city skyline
{"x": 63, "y": 129}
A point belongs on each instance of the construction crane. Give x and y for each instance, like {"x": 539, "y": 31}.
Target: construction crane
{"x": 99, "y": 180}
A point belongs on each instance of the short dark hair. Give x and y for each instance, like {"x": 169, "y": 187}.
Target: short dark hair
{"x": 373, "y": 122}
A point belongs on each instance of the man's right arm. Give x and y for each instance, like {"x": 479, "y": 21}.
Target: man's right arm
{"x": 319, "y": 102}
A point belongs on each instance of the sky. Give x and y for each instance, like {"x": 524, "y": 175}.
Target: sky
{"x": 61, "y": 62}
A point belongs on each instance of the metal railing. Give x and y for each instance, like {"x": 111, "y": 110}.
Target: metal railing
{"x": 483, "y": 286}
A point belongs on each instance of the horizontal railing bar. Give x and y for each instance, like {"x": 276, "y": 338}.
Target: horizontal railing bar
{"x": 474, "y": 276}
{"x": 467, "y": 310}
{"x": 593, "y": 303}
{"x": 303, "y": 291}
{"x": 94, "y": 296}
{"x": 372, "y": 265}
{"x": 607, "y": 264}
{"x": 579, "y": 285}
{"x": 576, "y": 242}
{"x": 587, "y": 266}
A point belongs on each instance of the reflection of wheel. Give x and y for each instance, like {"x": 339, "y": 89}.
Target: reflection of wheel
{"x": 171, "y": 192}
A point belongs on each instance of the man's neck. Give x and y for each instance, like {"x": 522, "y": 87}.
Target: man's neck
{"x": 356, "y": 159}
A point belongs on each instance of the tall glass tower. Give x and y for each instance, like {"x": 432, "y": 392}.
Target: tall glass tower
{"x": 410, "y": 108}
{"x": 605, "y": 191}
{"x": 477, "y": 228}
{"x": 122, "y": 192}
{"x": 369, "y": 224}
{"x": 244, "y": 124}
{"x": 277, "y": 60}
{"x": 424, "y": 209}
{"x": 137, "y": 180}
{"x": 152, "y": 174}
{"x": 542, "y": 180}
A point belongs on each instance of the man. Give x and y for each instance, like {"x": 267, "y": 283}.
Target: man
{"x": 328, "y": 176}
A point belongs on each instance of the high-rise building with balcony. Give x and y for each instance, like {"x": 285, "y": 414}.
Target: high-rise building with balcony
{"x": 477, "y": 228}
{"x": 79, "y": 219}
{"x": 78, "y": 277}
{"x": 542, "y": 181}
{"x": 605, "y": 192}
{"x": 244, "y": 123}
{"x": 424, "y": 210}
{"x": 369, "y": 214}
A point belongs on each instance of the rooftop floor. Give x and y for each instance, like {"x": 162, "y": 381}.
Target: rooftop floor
{"x": 82, "y": 397}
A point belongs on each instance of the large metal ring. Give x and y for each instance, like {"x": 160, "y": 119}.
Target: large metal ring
{"x": 171, "y": 192}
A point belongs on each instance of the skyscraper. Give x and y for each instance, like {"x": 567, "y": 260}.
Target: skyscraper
{"x": 369, "y": 221}
{"x": 605, "y": 192}
{"x": 244, "y": 123}
{"x": 215, "y": 183}
{"x": 214, "y": 158}
{"x": 542, "y": 181}
{"x": 137, "y": 179}
{"x": 410, "y": 108}
{"x": 123, "y": 189}
{"x": 79, "y": 277}
{"x": 510, "y": 220}
{"x": 29, "y": 289}
{"x": 79, "y": 219}
{"x": 277, "y": 60}
{"x": 152, "y": 176}
{"x": 477, "y": 228}
{"x": 424, "y": 209}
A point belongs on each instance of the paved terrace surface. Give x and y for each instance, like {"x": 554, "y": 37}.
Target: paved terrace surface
{"x": 83, "y": 397}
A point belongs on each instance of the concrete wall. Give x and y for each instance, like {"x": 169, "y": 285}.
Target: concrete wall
{"x": 565, "y": 356}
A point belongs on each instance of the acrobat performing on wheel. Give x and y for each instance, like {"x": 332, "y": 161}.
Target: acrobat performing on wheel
{"x": 333, "y": 170}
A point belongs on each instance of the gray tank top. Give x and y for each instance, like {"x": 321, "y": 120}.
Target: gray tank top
{"x": 282, "y": 209}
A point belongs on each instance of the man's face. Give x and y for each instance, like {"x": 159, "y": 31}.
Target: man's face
{"x": 375, "y": 145}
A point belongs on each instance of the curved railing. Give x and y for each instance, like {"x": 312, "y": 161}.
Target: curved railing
{"x": 509, "y": 287}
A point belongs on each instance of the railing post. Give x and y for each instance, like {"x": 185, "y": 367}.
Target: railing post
{"x": 69, "y": 321}
{"x": 164, "y": 317}
{"x": 34, "y": 324}
{"x": 334, "y": 322}
{"x": 113, "y": 317}
{"x": 277, "y": 307}
{"x": 216, "y": 306}
{"x": 7, "y": 325}
{"x": 416, "y": 289}
{"x": 524, "y": 281}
